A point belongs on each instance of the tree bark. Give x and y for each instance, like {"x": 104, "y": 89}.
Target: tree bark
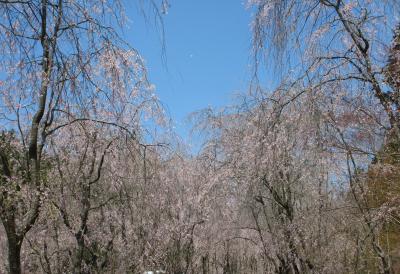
{"x": 14, "y": 243}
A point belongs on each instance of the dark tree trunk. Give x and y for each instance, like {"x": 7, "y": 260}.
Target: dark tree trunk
{"x": 204, "y": 261}
{"x": 14, "y": 255}
{"x": 14, "y": 243}
{"x": 79, "y": 252}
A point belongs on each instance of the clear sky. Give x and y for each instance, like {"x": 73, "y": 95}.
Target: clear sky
{"x": 208, "y": 46}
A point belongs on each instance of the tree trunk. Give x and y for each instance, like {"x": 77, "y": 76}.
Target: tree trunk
{"x": 79, "y": 253}
{"x": 14, "y": 255}
{"x": 14, "y": 243}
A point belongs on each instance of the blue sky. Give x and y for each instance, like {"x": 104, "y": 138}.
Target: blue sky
{"x": 208, "y": 46}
